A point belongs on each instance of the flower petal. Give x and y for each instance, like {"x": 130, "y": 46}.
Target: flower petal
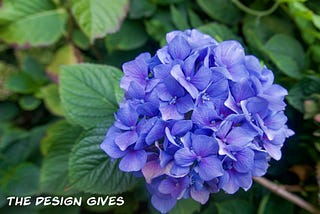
{"x": 210, "y": 167}
{"x": 184, "y": 157}
{"x": 133, "y": 161}
{"x": 126, "y": 139}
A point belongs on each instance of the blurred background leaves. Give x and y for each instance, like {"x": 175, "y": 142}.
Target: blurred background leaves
{"x": 50, "y": 136}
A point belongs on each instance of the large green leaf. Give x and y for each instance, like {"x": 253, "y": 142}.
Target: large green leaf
{"x": 26, "y": 22}
{"x": 121, "y": 41}
{"x": 58, "y": 142}
{"x": 235, "y": 206}
{"x": 22, "y": 180}
{"x": 272, "y": 204}
{"x": 221, "y": 10}
{"x": 186, "y": 206}
{"x": 91, "y": 170}
{"x": 97, "y": 18}
{"x": 218, "y": 31}
{"x": 286, "y": 53}
{"x": 89, "y": 93}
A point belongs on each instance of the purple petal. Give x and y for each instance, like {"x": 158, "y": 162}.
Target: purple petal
{"x": 164, "y": 56}
{"x": 204, "y": 145}
{"x": 202, "y": 78}
{"x": 210, "y": 167}
{"x": 162, "y": 71}
{"x": 260, "y": 164}
{"x": 163, "y": 204}
{"x": 181, "y": 127}
{"x": 127, "y": 115}
{"x": 170, "y": 112}
{"x": 151, "y": 170}
{"x": 136, "y": 70}
{"x": 108, "y": 145}
{"x": 133, "y": 161}
{"x": 178, "y": 74}
{"x": 184, "y": 157}
{"x": 184, "y": 104}
{"x": 242, "y": 90}
{"x": 244, "y": 162}
{"x": 241, "y": 136}
{"x": 156, "y": 132}
{"x": 229, "y": 53}
{"x": 202, "y": 195}
{"x": 179, "y": 48}
{"x": 136, "y": 91}
{"x": 276, "y": 121}
{"x": 273, "y": 150}
{"x": 179, "y": 171}
{"x": 126, "y": 139}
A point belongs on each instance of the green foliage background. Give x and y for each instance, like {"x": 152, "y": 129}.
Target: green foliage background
{"x": 60, "y": 66}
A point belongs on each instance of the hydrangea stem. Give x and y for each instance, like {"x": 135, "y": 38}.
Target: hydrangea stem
{"x": 279, "y": 190}
{"x": 256, "y": 12}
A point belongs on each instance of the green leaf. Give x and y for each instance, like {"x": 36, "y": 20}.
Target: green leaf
{"x": 21, "y": 82}
{"x": 36, "y": 71}
{"x": 18, "y": 145}
{"x": 66, "y": 55}
{"x": 51, "y": 98}
{"x": 29, "y": 103}
{"x": 141, "y": 8}
{"x": 258, "y": 31}
{"x": 287, "y": 54}
{"x": 221, "y": 10}
{"x": 195, "y": 20}
{"x": 165, "y": 2}
{"x": 91, "y": 170}
{"x": 57, "y": 144}
{"x": 178, "y": 18}
{"x": 89, "y": 93}
{"x": 60, "y": 209}
{"x": 316, "y": 20}
{"x": 3, "y": 199}
{"x": 186, "y": 206}
{"x": 159, "y": 26}
{"x": 218, "y": 31}
{"x": 26, "y": 22}
{"x": 272, "y": 204}
{"x": 235, "y": 206}
{"x": 22, "y": 180}
{"x": 8, "y": 111}
{"x": 302, "y": 90}
{"x": 131, "y": 35}
{"x": 80, "y": 39}
{"x": 97, "y": 18}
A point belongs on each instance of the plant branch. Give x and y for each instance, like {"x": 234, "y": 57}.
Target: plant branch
{"x": 253, "y": 12}
{"x": 281, "y": 191}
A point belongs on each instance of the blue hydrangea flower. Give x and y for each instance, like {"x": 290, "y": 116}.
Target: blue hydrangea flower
{"x": 197, "y": 117}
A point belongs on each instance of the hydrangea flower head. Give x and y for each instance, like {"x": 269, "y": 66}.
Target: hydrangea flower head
{"x": 197, "y": 117}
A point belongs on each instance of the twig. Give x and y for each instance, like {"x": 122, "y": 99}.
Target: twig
{"x": 279, "y": 190}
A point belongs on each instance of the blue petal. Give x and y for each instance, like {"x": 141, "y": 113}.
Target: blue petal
{"x": 179, "y": 48}
{"x": 181, "y": 127}
{"x": 126, "y": 139}
{"x": 170, "y": 112}
{"x": 133, "y": 161}
{"x": 184, "y": 157}
{"x": 202, "y": 78}
{"x": 156, "y": 132}
{"x": 210, "y": 167}
{"x": 178, "y": 74}
{"x": 204, "y": 145}
{"x": 163, "y": 204}
{"x": 151, "y": 170}
{"x": 244, "y": 162}
{"x": 241, "y": 135}
{"x": 184, "y": 104}
{"x": 202, "y": 195}
{"x": 108, "y": 145}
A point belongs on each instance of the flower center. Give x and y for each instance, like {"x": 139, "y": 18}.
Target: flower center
{"x": 173, "y": 100}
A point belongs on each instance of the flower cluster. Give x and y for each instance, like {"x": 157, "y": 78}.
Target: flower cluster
{"x": 197, "y": 117}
